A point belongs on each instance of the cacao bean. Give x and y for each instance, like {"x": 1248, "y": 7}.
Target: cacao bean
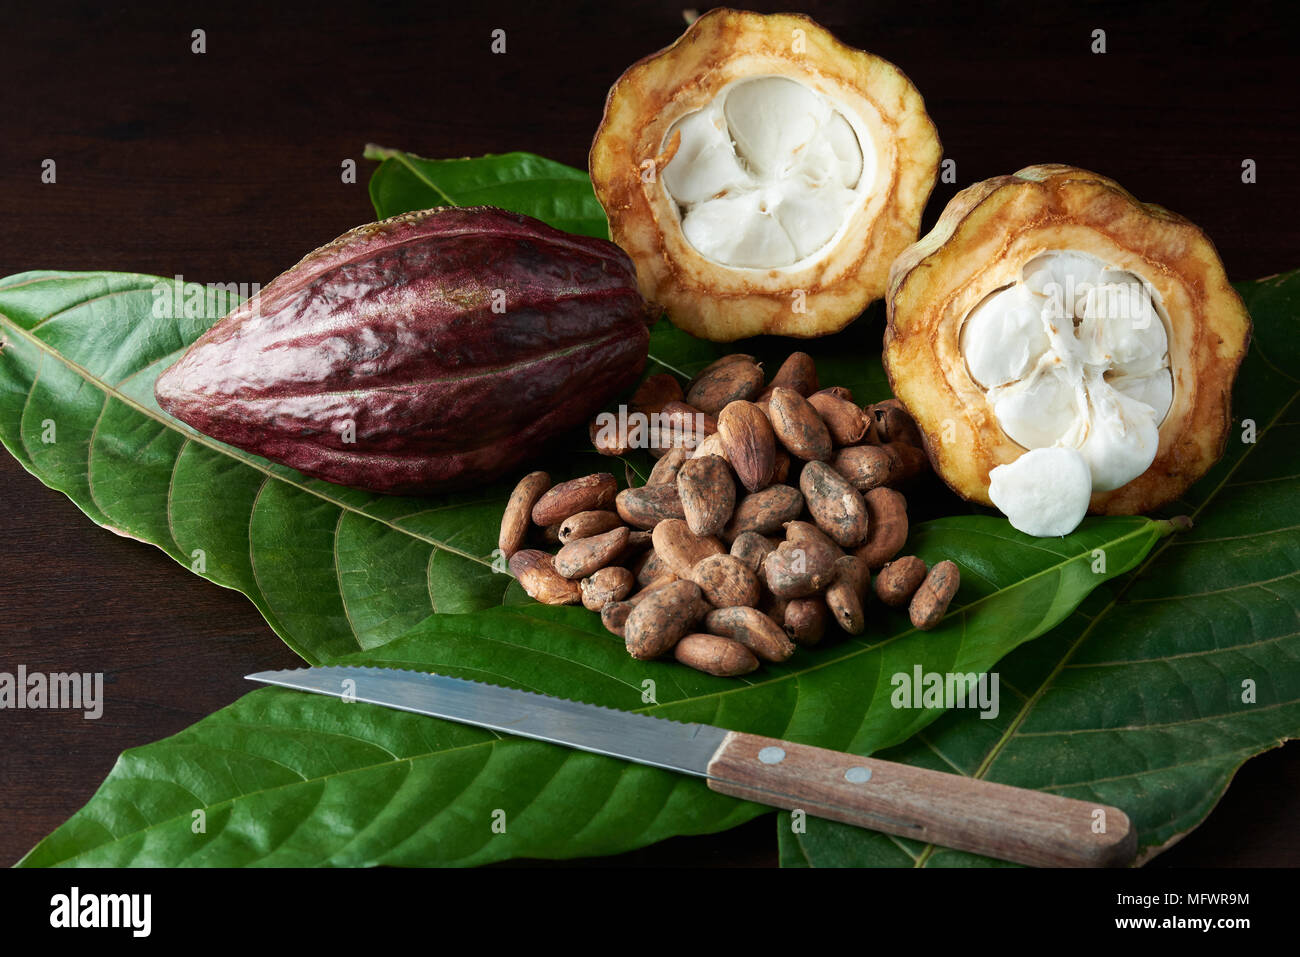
{"x": 798, "y": 426}
{"x": 583, "y": 556}
{"x": 805, "y": 620}
{"x": 798, "y": 570}
{"x": 647, "y": 506}
{"x": 392, "y": 329}
{"x": 614, "y": 616}
{"x": 847, "y": 594}
{"x": 605, "y": 440}
{"x": 751, "y": 548}
{"x": 707, "y": 493}
{"x": 665, "y": 469}
{"x": 519, "y": 510}
{"x": 764, "y": 595}
{"x": 725, "y": 382}
{"x": 798, "y": 372}
{"x": 845, "y": 421}
{"x": 753, "y": 629}
{"x": 574, "y": 496}
{"x": 606, "y": 586}
{"x": 659, "y": 622}
{"x": 865, "y": 466}
{"x": 720, "y": 362}
{"x": 806, "y": 533}
{"x": 835, "y": 505}
{"x": 664, "y": 580}
{"x": 649, "y": 567}
{"x": 836, "y": 392}
{"x": 680, "y": 548}
{"x": 894, "y": 424}
{"x": 700, "y": 609}
{"x": 764, "y": 512}
{"x": 711, "y": 446}
{"x": 905, "y": 462}
{"x": 887, "y": 526}
{"x": 873, "y": 435}
{"x": 715, "y": 655}
{"x": 726, "y": 581}
{"x": 931, "y": 600}
{"x": 587, "y": 524}
{"x": 679, "y": 425}
{"x": 775, "y": 608}
{"x": 536, "y": 573}
{"x": 781, "y": 470}
{"x": 686, "y": 418}
{"x": 899, "y": 580}
{"x": 750, "y": 444}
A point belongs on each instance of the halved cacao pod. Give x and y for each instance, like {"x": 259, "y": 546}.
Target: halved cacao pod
{"x": 762, "y": 175}
{"x": 1005, "y": 235}
{"x": 429, "y": 351}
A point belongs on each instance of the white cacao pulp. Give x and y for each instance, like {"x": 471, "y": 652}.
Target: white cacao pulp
{"x": 767, "y": 175}
{"x": 1074, "y": 355}
{"x": 1045, "y": 492}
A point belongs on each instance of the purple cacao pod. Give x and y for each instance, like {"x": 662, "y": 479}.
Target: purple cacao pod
{"x": 429, "y": 351}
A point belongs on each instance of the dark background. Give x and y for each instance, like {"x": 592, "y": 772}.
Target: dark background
{"x": 225, "y": 167}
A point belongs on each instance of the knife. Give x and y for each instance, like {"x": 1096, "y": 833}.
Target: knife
{"x": 996, "y": 820}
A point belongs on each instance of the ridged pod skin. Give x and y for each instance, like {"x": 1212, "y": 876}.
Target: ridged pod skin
{"x": 392, "y": 328}
{"x": 724, "y": 304}
{"x": 986, "y": 233}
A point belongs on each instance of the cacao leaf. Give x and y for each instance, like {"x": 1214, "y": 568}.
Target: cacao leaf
{"x": 1165, "y": 681}
{"x": 558, "y": 195}
{"x": 287, "y": 778}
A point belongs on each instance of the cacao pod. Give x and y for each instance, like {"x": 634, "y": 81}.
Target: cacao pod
{"x": 429, "y": 351}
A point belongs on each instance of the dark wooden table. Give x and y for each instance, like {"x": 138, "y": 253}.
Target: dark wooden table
{"x": 225, "y": 166}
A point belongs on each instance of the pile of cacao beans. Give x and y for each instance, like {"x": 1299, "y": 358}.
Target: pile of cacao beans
{"x": 768, "y": 509}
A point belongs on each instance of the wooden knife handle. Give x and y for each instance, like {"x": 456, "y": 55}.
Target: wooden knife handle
{"x": 996, "y": 820}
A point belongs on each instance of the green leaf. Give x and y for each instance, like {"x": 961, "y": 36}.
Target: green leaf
{"x": 521, "y": 182}
{"x": 1139, "y": 700}
{"x": 289, "y": 778}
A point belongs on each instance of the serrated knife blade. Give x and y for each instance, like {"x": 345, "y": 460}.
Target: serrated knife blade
{"x": 659, "y": 742}
{"x": 1028, "y": 827}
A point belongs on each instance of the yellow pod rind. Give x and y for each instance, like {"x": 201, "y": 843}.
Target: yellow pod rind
{"x": 722, "y": 303}
{"x": 983, "y": 238}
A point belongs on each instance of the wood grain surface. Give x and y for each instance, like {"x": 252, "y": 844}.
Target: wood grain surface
{"x": 1034, "y": 828}
{"x": 225, "y": 167}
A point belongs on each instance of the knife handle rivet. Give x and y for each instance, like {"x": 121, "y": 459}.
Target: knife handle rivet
{"x": 858, "y": 775}
{"x": 771, "y": 755}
